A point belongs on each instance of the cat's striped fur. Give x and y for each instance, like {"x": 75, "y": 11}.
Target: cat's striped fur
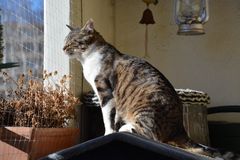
{"x": 134, "y": 96}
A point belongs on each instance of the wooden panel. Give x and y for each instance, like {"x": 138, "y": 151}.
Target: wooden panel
{"x": 14, "y": 143}
{"x": 26, "y": 143}
{"x": 48, "y": 140}
{"x": 195, "y": 122}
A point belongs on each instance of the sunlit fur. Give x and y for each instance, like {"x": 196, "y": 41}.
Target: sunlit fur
{"x": 134, "y": 96}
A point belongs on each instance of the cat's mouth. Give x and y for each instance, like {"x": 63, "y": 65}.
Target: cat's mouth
{"x": 69, "y": 53}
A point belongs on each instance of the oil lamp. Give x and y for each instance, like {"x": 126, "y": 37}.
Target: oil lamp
{"x": 190, "y": 15}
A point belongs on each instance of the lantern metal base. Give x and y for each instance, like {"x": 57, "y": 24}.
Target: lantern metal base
{"x": 190, "y": 29}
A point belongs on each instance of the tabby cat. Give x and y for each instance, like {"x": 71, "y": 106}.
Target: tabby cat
{"x": 134, "y": 96}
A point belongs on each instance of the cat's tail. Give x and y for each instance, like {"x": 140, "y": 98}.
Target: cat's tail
{"x": 217, "y": 154}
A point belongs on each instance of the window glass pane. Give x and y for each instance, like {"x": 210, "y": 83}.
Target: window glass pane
{"x": 22, "y": 22}
{"x": 23, "y": 31}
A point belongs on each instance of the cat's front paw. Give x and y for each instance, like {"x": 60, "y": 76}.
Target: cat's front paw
{"x": 127, "y": 128}
{"x": 107, "y": 132}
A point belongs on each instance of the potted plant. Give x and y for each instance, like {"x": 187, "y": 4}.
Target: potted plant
{"x": 35, "y": 117}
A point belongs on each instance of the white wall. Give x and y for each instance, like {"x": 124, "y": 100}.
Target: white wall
{"x": 102, "y": 12}
{"x": 56, "y": 16}
{"x": 209, "y": 63}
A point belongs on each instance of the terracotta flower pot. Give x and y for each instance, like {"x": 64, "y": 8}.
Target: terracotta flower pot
{"x": 26, "y": 143}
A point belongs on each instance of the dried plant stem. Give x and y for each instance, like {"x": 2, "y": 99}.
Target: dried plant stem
{"x": 32, "y": 104}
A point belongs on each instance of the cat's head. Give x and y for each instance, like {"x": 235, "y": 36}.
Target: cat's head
{"x": 80, "y": 40}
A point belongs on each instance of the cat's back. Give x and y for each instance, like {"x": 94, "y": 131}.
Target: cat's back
{"x": 136, "y": 78}
{"x": 144, "y": 96}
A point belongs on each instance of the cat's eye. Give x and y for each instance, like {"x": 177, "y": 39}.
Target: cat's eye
{"x": 65, "y": 47}
{"x": 80, "y": 42}
{"x": 82, "y": 47}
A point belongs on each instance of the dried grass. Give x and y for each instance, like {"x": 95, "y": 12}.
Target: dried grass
{"x": 34, "y": 103}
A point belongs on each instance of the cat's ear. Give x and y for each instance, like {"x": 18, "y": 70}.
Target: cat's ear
{"x": 89, "y": 26}
{"x": 70, "y": 27}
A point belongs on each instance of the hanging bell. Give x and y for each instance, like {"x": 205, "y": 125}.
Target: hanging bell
{"x": 147, "y": 17}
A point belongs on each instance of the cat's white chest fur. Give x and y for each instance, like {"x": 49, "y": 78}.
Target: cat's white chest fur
{"x": 91, "y": 68}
